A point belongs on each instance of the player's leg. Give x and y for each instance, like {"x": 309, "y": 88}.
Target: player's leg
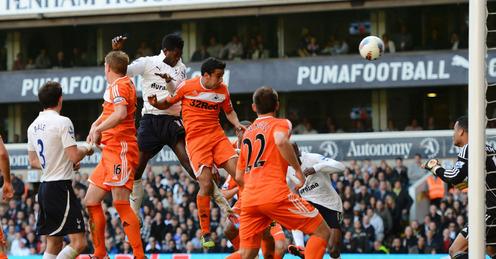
{"x": 279, "y": 240}
{"x": 203, "y": 203}
{"x": 267, "y": 244}
{"x": 130, "y": 222}
{"x": 180, "y": 150}
{"x": 136, "y": 197}
{"x": 53, "y": 247}
{"x": 73, "y": 227}
{"x": 232, "y": 234}
{"x": 459, "y": 247}
{"x": 149, "y": 145}
{"x": 93, "y": 202}
{"x": 335, "y": 243}
{"x": 296, "y": 213}
{"x": 75, "y": 247}
{"x": 298, "y": 249}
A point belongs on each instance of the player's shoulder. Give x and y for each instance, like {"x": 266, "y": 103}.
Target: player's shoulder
{"x": 283, "y": 122}
{"x": 180, "y": 65}
{"x": 463, "y": 153}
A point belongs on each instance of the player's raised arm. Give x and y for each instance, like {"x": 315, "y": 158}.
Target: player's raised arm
{"x": 8, "y": 191}
{"x": 329, "y": 166}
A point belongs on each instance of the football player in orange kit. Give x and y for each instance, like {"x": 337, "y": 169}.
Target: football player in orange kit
{"x": 273, "y": 240}
{"x": 261, "y": 172}
{"x": 115, "y": 129}
{"x": 206, "y": 143}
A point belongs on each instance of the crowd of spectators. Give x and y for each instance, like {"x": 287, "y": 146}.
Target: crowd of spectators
{"x": 375, "y": 200}
{"x": 43, "y": 60}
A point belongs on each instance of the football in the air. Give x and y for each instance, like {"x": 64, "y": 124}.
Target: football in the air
{"x": 371, "y": 48}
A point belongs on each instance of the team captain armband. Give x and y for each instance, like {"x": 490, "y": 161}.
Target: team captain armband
{"x": 119, "y": 100}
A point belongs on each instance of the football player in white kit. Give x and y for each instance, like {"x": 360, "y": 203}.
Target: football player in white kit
{"x": 52, "y": 148}
{"x": 158, "y": 128}
{"x": 319, "y": 192}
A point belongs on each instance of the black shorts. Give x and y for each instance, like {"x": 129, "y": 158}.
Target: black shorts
{"x": 60, "y": 210}
{"x": 490, "y": 230}
{"x": 156, "y": 131}
{"x": 332, "y": 218}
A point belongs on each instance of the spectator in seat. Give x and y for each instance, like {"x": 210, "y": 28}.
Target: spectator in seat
{"x": 61, "y": 61}
{"x": 313, "y": 47}
{"x": 403, "y": 41}
{"x": 397, "y": 247}
{"x": 401, "y": 171}
{"x": 455, "y": 41}
{"x": 389, "y": 46}
{"x": 360, "y": 238}
{"x": 340, "y": 47}
{"x": 303, "y": 43}
{"x": 200, "y": 54}
{"x": 233, "y": 49}
{"x": 19, "y": 62}
{"x": 152, "y": 246}
{"x": 413, "y": 126}
{"x": 214, "y": 48}
{"x": 415, "y": 170}
{"x": 143, "y": 50}
{"x": 42, "y": 60}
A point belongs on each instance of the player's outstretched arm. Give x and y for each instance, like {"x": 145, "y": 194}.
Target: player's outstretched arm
{"x": 77, "y": 153}
{"x": 118, "y": 42}
{"x": 455, "y": 176}
{"x": 286, "y": 149}
{"x": 8, "y": 191}
{"x": 330, "y": 166}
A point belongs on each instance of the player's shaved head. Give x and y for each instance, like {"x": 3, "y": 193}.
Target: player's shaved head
{"x": 265, "y": 100}
{"x": 49, "y": 94}
{"x": 117, "y": 61}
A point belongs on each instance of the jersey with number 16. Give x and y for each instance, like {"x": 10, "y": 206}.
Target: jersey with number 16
{"x": 48, "y": 136}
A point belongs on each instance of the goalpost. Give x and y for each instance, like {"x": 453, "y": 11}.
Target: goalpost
{"x": 477, "y": 86}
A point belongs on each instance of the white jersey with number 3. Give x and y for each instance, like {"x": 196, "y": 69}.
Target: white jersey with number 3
{"x": 318, "y": 188}
{"x": 48, "y": 136}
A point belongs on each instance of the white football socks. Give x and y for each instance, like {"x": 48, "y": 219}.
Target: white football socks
{"x": 298, "y": 238}
{"x": 67, "y": 253}
{"x": 49, "y": 256}
{"x": 136, "y": 197}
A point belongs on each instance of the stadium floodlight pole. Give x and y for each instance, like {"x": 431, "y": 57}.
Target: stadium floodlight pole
{"x": 477, "y": 125}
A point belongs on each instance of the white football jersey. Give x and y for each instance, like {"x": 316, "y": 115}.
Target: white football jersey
{"x": 49, "y": 135}
{"x": 155, "y": 85}
{"x": 318, "y": 188}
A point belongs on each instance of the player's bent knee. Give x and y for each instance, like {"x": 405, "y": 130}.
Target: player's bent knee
{"x": 79, "y": 243}
{"x": 323, "y": 231}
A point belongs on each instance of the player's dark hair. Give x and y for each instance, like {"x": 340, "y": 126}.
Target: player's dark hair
{"x": 211, "y": 64}
{"x": 117, "y": 61}
{"x": 265, "y": 100}
{"x": 172, "y": 42}
{"x": 49, "y": 94}
{"x": 463, "y": 122}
